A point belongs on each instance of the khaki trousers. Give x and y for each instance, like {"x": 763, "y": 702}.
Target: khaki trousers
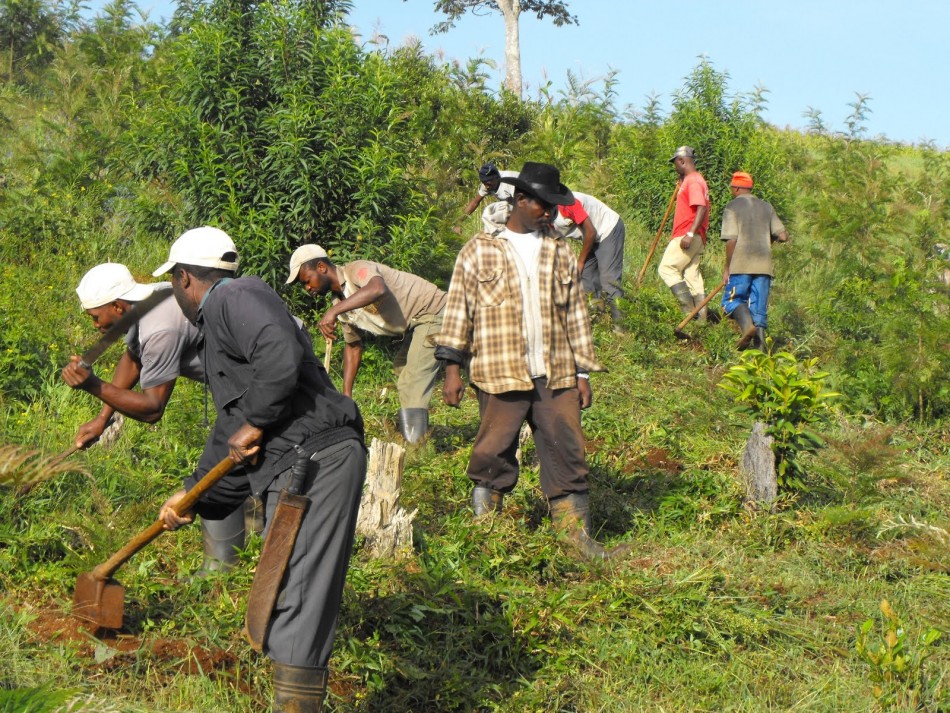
{"x": 678, "y": 265}
{"x": 415, "y": 364}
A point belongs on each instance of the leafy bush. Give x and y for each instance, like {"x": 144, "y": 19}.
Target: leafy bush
{"x": 271, "y": 123}
{"x": 788, "y": 397}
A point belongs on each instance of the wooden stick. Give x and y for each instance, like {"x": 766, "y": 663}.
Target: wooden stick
{"x": 659, "y": 232}
{"x": 697, "y": 308}
{"x": 328, "y": 352}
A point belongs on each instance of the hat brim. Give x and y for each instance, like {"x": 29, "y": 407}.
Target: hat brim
{"x": 138, "y": 293}
{"x": 165, "y": 268}
{"x": 294, "y": 271}
{"x": 562, "y": 197}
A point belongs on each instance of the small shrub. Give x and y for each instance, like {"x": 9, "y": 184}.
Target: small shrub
{"x": 897, "y": 663}
{"x": 787, "y": 395}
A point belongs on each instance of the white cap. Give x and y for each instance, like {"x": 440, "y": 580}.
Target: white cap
{"x": 108, "y": 282}
{"x": 305, "y": 253}
{"x": 202, "y": 247}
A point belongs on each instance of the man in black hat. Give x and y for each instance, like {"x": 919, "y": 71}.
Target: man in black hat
{"x": 517, "y": 315}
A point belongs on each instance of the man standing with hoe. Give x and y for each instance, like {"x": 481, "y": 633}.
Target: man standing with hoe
{"x": 162, "y": 346}
{"x": 749, "y": 227}
{"x": 273, "y": 398}
{"x": 371, "y": 297}
{"x": 517, "y": 312}
{"x": 679, "y": 267}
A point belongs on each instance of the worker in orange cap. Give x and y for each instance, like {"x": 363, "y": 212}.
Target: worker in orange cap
{"x": 749, "y": 227}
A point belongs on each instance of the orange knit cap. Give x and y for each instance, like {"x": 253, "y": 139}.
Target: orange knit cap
{"x": 741, "y": 179}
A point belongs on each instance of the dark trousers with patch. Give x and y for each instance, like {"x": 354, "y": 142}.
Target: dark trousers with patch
{"x": 555, "y": 421}
{"x": 303, "y": 623}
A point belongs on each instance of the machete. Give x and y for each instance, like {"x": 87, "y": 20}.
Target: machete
{"x": 279, "y": 543}
{"x": 122, "y": 325}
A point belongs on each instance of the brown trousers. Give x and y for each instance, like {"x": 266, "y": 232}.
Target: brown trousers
{"x": 555, "y": 421}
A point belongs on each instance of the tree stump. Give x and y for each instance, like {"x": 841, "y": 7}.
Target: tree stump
{"x": 382, "y": 521}
{"x": 111, "y": 433}
{"x": 758, "y": 467}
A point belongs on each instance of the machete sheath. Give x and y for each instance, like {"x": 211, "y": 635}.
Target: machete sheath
{"x": 279, "y": 543}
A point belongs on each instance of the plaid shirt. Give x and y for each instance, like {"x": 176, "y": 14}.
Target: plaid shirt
{"x": 484, "y": 316}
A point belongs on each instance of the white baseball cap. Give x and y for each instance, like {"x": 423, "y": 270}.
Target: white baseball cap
{"x": 305, "y": 253}
{"x": 108, "y": 282}
{"x": 202, "y": 247}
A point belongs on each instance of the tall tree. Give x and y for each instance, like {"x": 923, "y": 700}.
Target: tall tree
{"x": 511, "y": 11}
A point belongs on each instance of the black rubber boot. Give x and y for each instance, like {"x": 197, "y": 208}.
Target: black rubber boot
{"x": 570, "y": 516}
{"x": 681, "y": 292}
{"x": 760, "y": 339}
{"x": 616, "y": 318}
{"x": 253, "y": 515}
{"x": 743, "y": 318}
{"x": 704, "y": 312}
{"x": 413, "y": 423}
{"x": 485, "y": 500}
{"x": 299, "y": 689}
{"x": 221, "y": 540}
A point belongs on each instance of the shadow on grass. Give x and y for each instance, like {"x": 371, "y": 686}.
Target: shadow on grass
{"x": 433, "y": 645}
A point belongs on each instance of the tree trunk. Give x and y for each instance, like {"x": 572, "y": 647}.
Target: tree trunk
{"x": 758, "y": 467}
{"x": 384, "y": 523}
{"x": 511, "y": 10}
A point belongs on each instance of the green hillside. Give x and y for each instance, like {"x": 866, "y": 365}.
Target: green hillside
{"x": 266, "y": 120}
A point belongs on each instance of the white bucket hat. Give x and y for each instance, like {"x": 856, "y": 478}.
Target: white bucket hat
{"x": 108, "y": 282}
{"x": 202, "y": 247}
{"x": 305, "y": 253}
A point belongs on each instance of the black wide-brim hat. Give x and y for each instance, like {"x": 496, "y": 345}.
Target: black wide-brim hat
{"x": 542, "y": 181}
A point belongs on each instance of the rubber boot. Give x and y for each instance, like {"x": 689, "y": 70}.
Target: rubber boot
{"x": 616, "y": 318}
{"x": 743, "y": 318}
{"x": 704, "y": 312}
{"x": 299, "y": 689}
{"x": 485, "y": 500}
{"x": 413, "y": 423}
{"x": 253, "y": 515}
{"x": 570, "y": 516}
{"x": 221, "y": 540}
{"x": 760, "y": 339}
{"x": 681, "y": 292}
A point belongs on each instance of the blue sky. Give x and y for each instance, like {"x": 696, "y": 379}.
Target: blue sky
{"x": 807, "y": 53}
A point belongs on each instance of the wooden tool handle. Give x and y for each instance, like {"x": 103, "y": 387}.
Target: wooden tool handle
{"x": 108, "y": 568}
{"x": 656, "y": 240}
{"x": 697, "y": 308}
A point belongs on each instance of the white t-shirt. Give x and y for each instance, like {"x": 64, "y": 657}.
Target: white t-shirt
{"x": 505, "y": 191}
{"x": 602, "y": 217}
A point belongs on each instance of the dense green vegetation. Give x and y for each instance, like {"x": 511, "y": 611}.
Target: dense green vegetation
{"x": 267, "y": 120}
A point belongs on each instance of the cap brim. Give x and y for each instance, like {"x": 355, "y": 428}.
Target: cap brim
{"x": 294, "y": 271}
{"x": 165, "y": 268}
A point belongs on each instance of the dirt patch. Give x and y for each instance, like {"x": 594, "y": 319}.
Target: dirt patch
{"x": 111, "y": 650}
{"x": 659, "y": 459}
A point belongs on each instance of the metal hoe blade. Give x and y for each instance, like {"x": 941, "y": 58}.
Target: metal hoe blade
{"x": 100, "y": 601}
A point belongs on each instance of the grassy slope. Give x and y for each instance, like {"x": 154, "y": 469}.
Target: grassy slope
{"x": 719, "y": 608}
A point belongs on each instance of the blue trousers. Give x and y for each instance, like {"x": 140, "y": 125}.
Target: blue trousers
{"x": 751, "y": 290}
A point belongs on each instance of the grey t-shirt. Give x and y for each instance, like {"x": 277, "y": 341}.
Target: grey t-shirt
{"x": 752, "y": 223}
{"x": 165, "y": 343}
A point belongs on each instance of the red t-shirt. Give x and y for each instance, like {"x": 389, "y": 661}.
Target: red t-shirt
{"x": 574, "y": 212}
{"x": 692, "y": 194}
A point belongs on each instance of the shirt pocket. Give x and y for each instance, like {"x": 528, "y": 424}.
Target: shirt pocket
{"x": 563, "y": 282}
{"x": 492, "y": 286}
